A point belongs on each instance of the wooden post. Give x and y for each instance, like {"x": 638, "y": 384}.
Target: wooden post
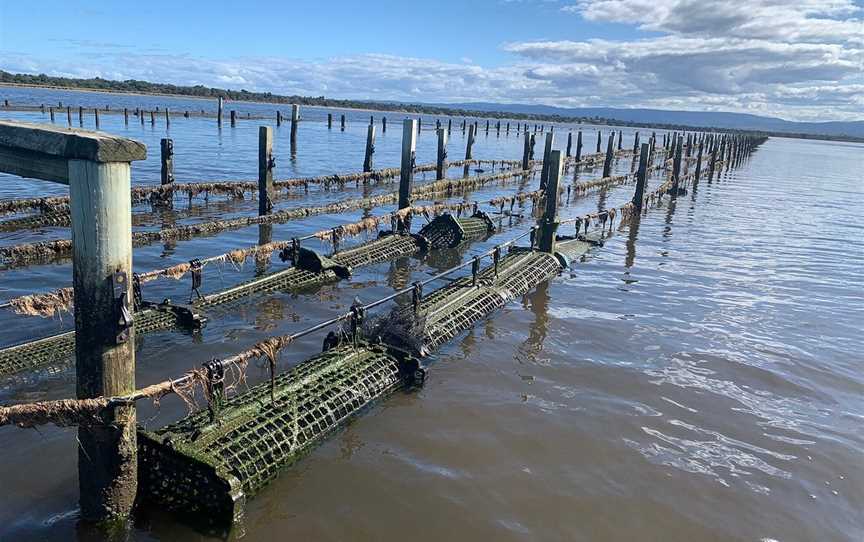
{"x": 329, "y": 121}
{"x": 449, "y": 126}
{"x": 526, "y": 152}
{"x": 51, "y": 112}
{"x": 549, "y": 222}
{"x": 97, "y": 169}
{"x": 469, "y": 144}
{"x": 579, "y": 146}
{"x": 676, "y": 165}
{"x": 295, "y": 121}
{"x": 96, "y": 116}
{"x": 219, "y": 112}
{"x": 569, "y": 143}
{"x": 80, "y": 116}
{"x": 233, "y": 118}
{"x": 126, "y": 116}
{"x": 463, "y": 126}
{"x": 641, "y": 177}
{"x": 487, "y": 126}
{"x": 343, "y": 122}
{"x": 266, "y": 162}
{"x": 141, "y": 116}
{"x": 636, "y": 143}
{"x": 441, "y": 164}
{"x": 278, "y": 118}
{"x": 69, "y": 116}
{"x": 620, "y": 137}
{"x": 507, "y": 132}
{"x": 698, "y": 171}
{"x": 166, "y": 148}
{"x": 370, "y": 147}
{"x": 384, "y": 125}
{"x": 152, "y": 118}
{"x": 371, "y": 119}
{"x": 419, "y": 124}
{"x": 547, "y": 151}
{"x": 607, "y": 164}
{"x": 406, "y": 173}
{"x": 599, "y": 142}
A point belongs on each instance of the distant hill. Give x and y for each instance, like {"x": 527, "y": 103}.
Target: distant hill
{"x": 733, "y": 121}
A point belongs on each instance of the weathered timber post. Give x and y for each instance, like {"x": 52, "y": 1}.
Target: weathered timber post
{"x": 579, "y": 146}
{"x": 441, "y": 163}
{"x": 126, "y": 116}
{"x": 233, "y": 118}
{"x": 278, "y": 118}
{"x": 487, "y": 126}
{"x": 343, "y": 123}
{"x": 599, "y": 141}
{"x": 620, "y": 137}
{"x": 371, "y": 119}
{"x": 96, "y": 116}
{"x": 166, "y": 148}
{"x": 69, "y": 116}
{"x": 498, "y": 128}
{"x": 406, "y": 173}
{"x": 370, "y": 148}
{"x": 547, "y": 151}
{"x": 463, "y": 126}
{"x": 167, "y": 117}
{"x": 329, "y": 121}
{"x": 607, "y": 163}
{"x": 384, "y": 125}
{"x": 51, "y": 112}
{"x": 449, "y": 126}
{"x": 569, "y": 143}
{"x": 676, "y": 165}
{"x": 549, "y": 222}
{"x": 698, "y": 165}
{"x": 469, "y": 144}
{"x": 507, "y": 132}
{"x": 96, "y": 166}
{"x": 152, "y": 118}
{"x": 219, "y": 112}
{"x": 526, "y": 152}
{"x": 419, "y": 124}
{"x": 641, "y": 177}
{"x": 636, "y": 143}
{"x": 266, "y": 162}
{"x": 295, "y": 120}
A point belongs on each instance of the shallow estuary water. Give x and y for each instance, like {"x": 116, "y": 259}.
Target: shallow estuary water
{"x": 697, "y": 378}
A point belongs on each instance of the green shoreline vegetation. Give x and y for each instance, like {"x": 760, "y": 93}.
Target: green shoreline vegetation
{"x": 133, "y": 86}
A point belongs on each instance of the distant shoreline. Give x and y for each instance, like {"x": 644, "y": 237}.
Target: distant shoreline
{"x": 51, "y": 83}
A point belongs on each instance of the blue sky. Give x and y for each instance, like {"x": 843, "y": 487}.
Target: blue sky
{"x": 799, "y": 59}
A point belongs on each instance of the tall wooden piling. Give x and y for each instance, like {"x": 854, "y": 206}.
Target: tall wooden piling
{"x": 96, "y": 117}
{"x": 51, "y": 112}
{"x": 599, "y": 142}
{"x": 266, "y": 163}
{"x": 507, "y": 132}
{"x": 342, "y": 123}
{"x": 579, "y": 146}
{"x": 69, "y": 116}
{"x": 295, "y": 120}
{"x": 569, "y": 144}
{"x": 526, "y": 152}
{"x": 487, "y": 126}
{"x": 676, "y": 164}
{"x": 97, "y": 169}
{"x": 549, "y": 222}
{"x": 469, "y": 144}
{"x": 384, "y": 125}
{"x": 607, "y": 163}
{"x": 406, "y": 173}
{"x": 126, "y": 116}
{"x": 80, "y": 116}
{"x": 449, "y": 126}
{"x": 636, "y": 143}
{"x": 698, "y": 171}
{"x": 441, "y": 162}
{"x": 233, "y": 118}
{"x": 370, "y": 148}
{"x": 166, "y": 151}
{"x": 329, "y": 121}
{"x": 152, "y": 118}
{"x": 620, "y": 138}
{"x": 547, "y": 151}
{"x": 641, "y": 177}
{"x": 278, "y": 118}
{"x": 219, "y": 112}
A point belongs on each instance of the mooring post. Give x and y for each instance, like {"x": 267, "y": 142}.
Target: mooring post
{"x": 370, "y": 148}
{"x": 469, "y": 144}
{"x": 233, "y": 118}
{"x": 97, "y": 168}
{"x": 579, "y": 146}
{"x": 487, "y": 126}
{"x": 152, "y": 118}
{"x": 441, "y": 163}
{"x": 278, "y": 118}
{"x": 295, "y": 121}
{"x": 126, "y": 116}
{"x": 526, "y": 151}
{"x": 607, "y": 163}
{"x": 549, "y": 222}
{"x": 620, "y": 137}
{"x": 371, "y": 119}
{"x": 329, "y": 121}
{"x": 219, "y": 112}
{"x": 167, "y": 117}
{"x": 419, "y": 124}
{"x": 636, "y": 143}
{"x": 266, "y": 162}
{"x": 166, "y": 148}
{"x": 96, "y": 116}
{"x": 51, "y": 112}
{"x": 599, "y": 141}
{"x": 676, "y": 165}
{"x": 69, "y": 116}
{"x": 384, "y": 125}
{"x": 547, "y": 151}
{"x": 449, "y": 126}
{"x": 343, "y": 122}
{"x": 641, "y": 177}
{"x": 698, "y": 165}
{"x": 406, "y": 173}
{"x": 569, "y": 143}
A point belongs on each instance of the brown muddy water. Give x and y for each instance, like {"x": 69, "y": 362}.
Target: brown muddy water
{"x": 697, "y": 378}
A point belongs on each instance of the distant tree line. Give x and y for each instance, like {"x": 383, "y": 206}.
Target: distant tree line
{"x": 200, "y": 91}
